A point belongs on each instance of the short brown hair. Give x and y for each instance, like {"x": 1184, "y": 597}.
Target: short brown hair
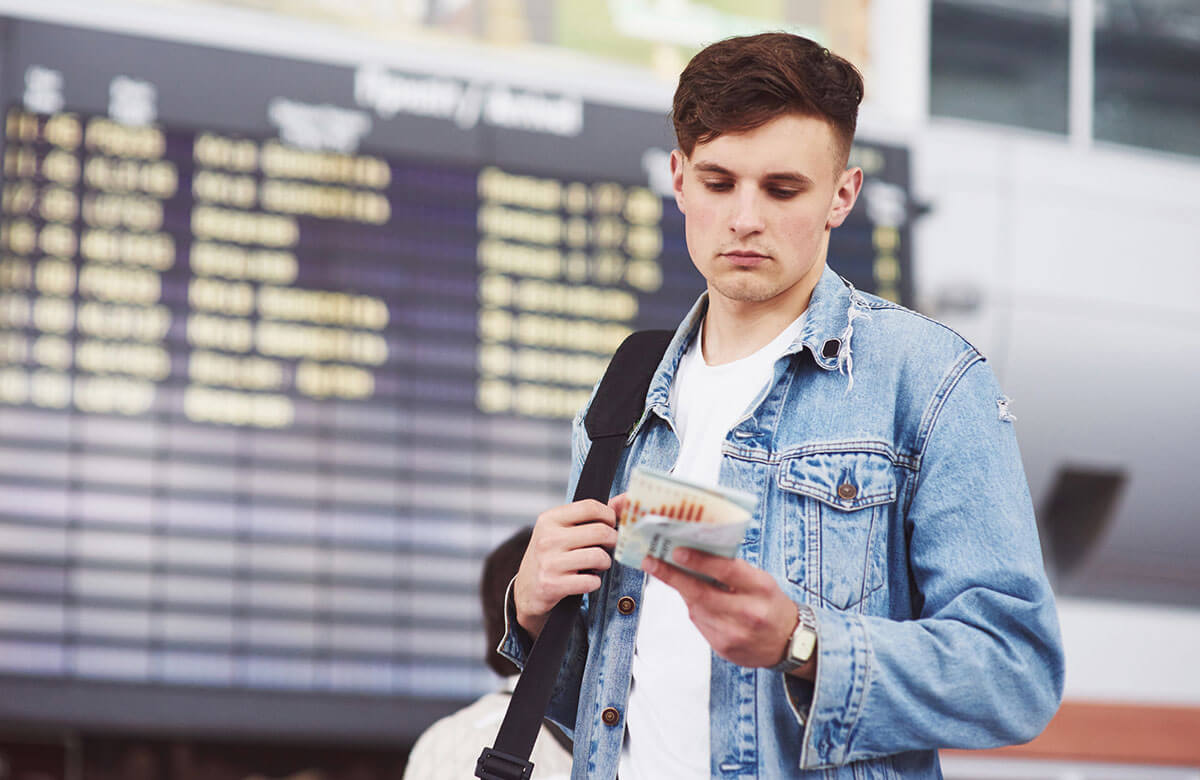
{"x": 739, "y": 84}
{"x": 499, "y": 568}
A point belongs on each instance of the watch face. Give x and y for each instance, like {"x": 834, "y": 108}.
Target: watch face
{"x": 803, "y": 643}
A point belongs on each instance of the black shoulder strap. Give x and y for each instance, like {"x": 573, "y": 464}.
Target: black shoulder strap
{"x": 617, "y": 407}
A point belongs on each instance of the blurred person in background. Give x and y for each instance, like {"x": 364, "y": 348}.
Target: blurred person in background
{"x": 448, "y": 749}
{"x": 889, "y": 598}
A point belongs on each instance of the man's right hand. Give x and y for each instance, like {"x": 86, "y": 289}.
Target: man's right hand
{"x": 568, "y": 544}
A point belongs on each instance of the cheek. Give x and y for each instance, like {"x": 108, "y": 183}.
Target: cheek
{"x": 806, "y": 226}
{"x": 702, "y": 214}
{"x": 695, "y": 244}
{"x": 701, "y": 225}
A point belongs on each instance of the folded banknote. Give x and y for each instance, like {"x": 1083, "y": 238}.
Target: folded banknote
{"x": 665, "y": 512}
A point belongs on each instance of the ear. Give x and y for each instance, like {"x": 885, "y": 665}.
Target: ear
{"x": 848, "y": 186}
{"x": 677, "y": 161}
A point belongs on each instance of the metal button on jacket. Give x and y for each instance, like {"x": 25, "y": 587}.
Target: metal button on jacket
{"x": 626, "y": 605}
{"x": 610, "y": 716}
{"x": 847, "y": 491}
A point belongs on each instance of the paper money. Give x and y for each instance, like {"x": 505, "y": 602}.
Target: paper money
{"x": 665, "y": 512}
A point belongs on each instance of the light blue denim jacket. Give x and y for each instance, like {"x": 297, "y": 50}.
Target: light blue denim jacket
{"x": 936, "y": 623}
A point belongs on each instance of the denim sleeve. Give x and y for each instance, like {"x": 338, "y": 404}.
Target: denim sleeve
{"x": 517, "y": 643}
{"x": 981, "y": 665}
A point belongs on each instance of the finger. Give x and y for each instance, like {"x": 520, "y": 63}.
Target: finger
{"x": 588, "y": 510}
{"x": 578, "y": 584}
{"x": 619, "y": 503}
{"x": 697, "y": 593}
{"x": 734, "y": 573}
{"x": 589, "y": 535}
{"x": 585, "y": 559}
{"x": 688, "y": 587}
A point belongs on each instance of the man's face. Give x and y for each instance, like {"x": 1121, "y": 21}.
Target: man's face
{"x": 759, "y": 206}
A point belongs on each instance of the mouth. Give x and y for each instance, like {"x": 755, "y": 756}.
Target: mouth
{"x": 745, "y": 257}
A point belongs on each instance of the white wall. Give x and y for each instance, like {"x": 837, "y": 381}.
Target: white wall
{"x": 1085, "y": 264}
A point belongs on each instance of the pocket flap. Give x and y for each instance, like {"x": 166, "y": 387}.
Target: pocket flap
{"x": 845, "y": 480}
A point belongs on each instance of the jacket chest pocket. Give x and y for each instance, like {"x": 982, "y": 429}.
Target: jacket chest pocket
{"x": 837, "y": 508}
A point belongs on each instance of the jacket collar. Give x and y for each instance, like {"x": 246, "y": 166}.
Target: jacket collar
{"x": 826, "y": 329}
{"x": 825, "y": 332}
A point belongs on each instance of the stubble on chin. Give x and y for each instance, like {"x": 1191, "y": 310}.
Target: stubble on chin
{"x": 744, "y": 286}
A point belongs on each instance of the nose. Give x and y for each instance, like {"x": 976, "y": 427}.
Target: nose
{"x": 747, "y": 217}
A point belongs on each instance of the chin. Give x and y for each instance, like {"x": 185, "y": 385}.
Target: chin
{"x": 746, "y": 289}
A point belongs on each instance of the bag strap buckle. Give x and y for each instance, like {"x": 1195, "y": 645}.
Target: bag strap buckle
{"x": 494, "y": 764}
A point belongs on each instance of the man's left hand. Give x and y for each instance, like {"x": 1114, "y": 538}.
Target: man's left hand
{"x": 750, "y": 623}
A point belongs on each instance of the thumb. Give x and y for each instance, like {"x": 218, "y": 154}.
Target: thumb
{"x": 618, "y": 503}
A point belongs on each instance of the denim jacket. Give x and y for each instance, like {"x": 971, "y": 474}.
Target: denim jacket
{"x": 892, "y": 500}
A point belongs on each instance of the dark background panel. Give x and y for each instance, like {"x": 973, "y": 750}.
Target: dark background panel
{"x": 450, "y": 482}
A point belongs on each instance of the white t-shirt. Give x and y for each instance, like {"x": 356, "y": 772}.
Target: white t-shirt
{"x": 448, "y": 749}
{"x": 667, "y": 715}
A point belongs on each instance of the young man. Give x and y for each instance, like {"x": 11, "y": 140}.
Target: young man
{"x": 889, "y": 597}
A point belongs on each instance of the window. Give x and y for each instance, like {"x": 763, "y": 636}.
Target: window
{"x": 1003, "y": 62}
{"x": 1147, "y": 91}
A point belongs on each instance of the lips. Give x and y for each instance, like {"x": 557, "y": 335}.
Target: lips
{"x": 744, "y": 257}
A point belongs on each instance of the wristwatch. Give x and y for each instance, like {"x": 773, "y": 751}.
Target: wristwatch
{"x": 802, "y": 643}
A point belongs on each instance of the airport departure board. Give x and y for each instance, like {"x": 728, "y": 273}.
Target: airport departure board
{"x": 286, "y": 348}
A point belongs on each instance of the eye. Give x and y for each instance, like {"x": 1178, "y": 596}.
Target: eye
{"x": 718, "y": 185}
{"x": 782, "y": 193}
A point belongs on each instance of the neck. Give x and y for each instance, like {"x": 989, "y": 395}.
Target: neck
{"x": 734, "y": 329}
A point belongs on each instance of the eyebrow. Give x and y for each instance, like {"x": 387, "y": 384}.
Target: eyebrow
{"x": 789, "y": 177}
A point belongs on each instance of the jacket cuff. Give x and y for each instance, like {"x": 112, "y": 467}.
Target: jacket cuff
{"x": 843, "y": 668}
{"x": 517, "y": 643}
